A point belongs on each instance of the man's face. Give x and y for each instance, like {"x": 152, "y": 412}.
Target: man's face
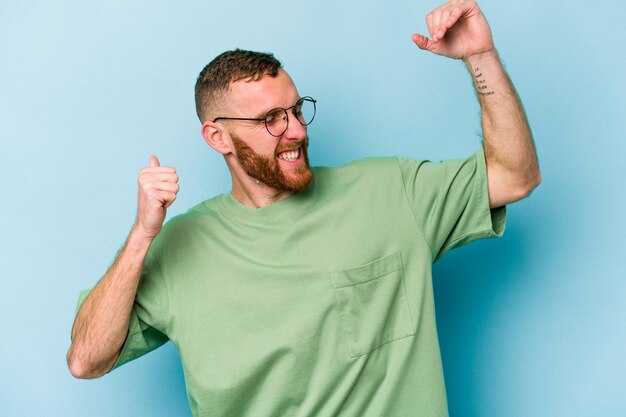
{"x": 282, "y": 162}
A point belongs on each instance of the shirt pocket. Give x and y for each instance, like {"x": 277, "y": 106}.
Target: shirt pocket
{"x": 372, "y": 303}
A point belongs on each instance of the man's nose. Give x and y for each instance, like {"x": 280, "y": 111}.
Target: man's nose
{"x": 295, "y": 129}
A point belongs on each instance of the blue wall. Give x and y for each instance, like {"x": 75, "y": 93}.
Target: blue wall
{"x": 530, "y": 325}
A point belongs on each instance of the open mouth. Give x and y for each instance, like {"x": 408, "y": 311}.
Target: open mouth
{"x": 290, "y": 155}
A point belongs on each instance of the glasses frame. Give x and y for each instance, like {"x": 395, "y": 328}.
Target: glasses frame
{"x": 285, "y": 110}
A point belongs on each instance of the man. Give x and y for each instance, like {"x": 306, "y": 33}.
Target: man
{"x": 306, "y": 292}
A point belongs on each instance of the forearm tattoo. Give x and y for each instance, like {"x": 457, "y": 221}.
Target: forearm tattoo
{"x": 481, "y": 83}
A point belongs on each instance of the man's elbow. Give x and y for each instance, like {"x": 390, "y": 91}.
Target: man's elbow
{"x": 524, "y": 188}
{"x": 80, "y": 368}
{"x": 532, "y": 183}
{"x": 510, "y": 188}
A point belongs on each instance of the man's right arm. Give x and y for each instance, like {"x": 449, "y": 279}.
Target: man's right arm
{"x": 101, "y": 325}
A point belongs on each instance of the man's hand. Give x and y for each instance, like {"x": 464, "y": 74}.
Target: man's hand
{"x": 157, "y": 191}
{"x": 458, "y": 30}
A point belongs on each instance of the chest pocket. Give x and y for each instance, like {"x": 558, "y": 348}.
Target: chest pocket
{"x": 373, "y": 304}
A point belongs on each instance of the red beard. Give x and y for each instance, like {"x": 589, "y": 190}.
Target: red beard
{"x": 267, "y": 170}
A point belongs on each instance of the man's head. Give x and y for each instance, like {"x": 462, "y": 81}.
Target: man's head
{"x": 214, "y": 81}
{"x": 246, "y": 84}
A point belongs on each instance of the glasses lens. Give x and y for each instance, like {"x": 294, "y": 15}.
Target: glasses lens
{"x": 276, "y": 122}
{"x": 305, "y": 110}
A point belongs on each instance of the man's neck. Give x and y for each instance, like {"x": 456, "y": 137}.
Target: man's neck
{"x": 255, "y": 194}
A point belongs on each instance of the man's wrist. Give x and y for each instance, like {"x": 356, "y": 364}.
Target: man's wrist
{"x": 482, "y": 58}
{"x": 484, "y": 68}
{"x": 138, "y": 241}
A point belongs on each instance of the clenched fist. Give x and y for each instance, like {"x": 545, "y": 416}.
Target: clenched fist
{"x": 157, "y": 191}
{"x": 458, "y": 29}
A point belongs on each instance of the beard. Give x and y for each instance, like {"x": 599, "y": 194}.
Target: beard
{"x": 267, "y": 169}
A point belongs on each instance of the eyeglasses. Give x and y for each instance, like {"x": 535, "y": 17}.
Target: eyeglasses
{"x": 277, "y": 120}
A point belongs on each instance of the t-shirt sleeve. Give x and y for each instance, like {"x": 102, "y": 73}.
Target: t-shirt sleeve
{"x": 148, "y": 323}
{"x": 450, "y": 202}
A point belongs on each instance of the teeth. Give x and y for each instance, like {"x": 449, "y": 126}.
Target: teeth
{"x": 289, "y": 155}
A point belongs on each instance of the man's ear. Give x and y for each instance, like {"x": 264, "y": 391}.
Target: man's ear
{"x": 216, "y": 137}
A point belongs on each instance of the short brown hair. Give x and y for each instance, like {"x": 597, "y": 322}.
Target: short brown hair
{"x": 230, "y": 66}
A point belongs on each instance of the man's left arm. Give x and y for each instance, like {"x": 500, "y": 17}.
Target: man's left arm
{"x": 459, "y": 30}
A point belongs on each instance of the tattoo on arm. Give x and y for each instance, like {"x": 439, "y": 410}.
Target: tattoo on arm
{"x": 481, "y": 83}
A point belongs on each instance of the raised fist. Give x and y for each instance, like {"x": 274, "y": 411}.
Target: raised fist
{"x": 157, "y": 191}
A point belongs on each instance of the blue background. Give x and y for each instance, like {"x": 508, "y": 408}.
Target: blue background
{"x": 530, "y": 325}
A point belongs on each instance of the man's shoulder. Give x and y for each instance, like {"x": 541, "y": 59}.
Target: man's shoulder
{"x": 205, "y": 207}
{"x": 363, "y": 177}
{"x": 200, "y": 212}
{"x": 178, "y": 231}
{"x": 370, "y": 165}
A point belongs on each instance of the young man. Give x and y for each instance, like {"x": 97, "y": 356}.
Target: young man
{"x": 306, "y": 292}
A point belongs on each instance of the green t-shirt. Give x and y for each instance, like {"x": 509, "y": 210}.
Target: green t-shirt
{"x": 320, "y": 304}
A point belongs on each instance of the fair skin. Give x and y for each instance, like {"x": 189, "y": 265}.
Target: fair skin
{"x": 458, "y": 30}
{"x": 102, "y": 323}
{"x": 255, "y": 99}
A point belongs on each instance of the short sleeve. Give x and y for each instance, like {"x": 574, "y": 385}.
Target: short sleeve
{"x": 148, "y": 324}
{"x": 450, "y": 202}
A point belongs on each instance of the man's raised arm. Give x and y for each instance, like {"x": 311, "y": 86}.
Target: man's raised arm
{"x": 102, "y": 322}
{"x": 459, "y": 30}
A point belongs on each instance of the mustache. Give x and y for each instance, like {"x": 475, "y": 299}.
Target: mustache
{"x": 304, "y": 144}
